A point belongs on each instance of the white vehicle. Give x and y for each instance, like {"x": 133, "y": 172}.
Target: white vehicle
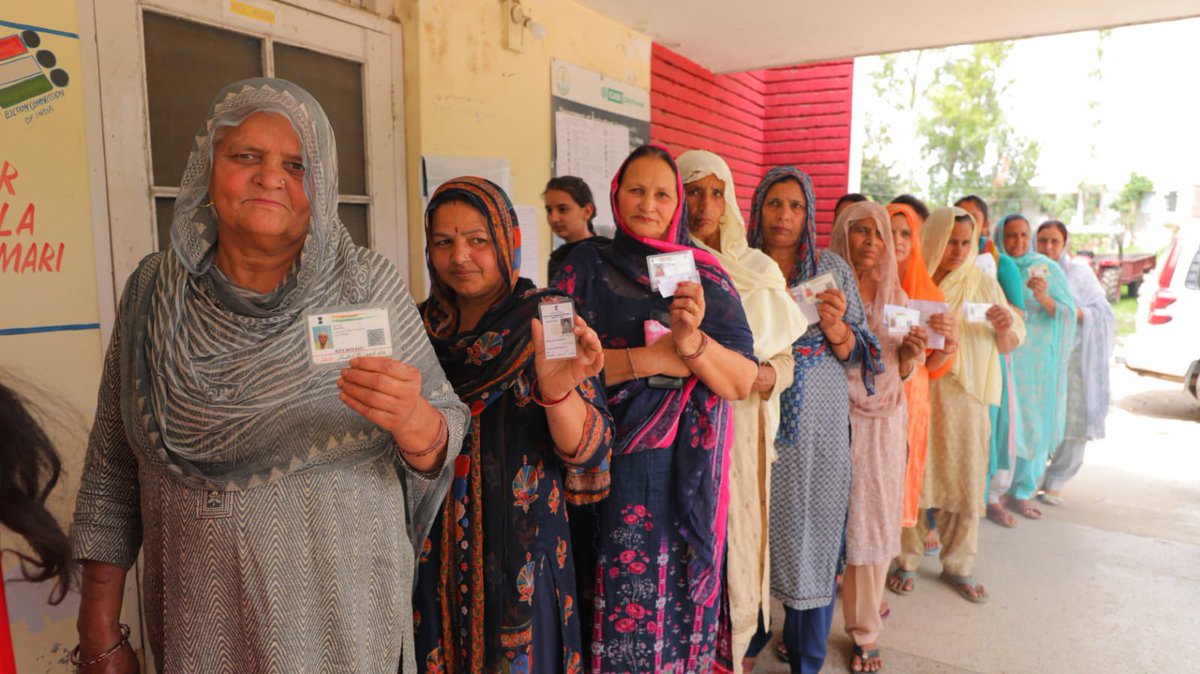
{"x": 1167, "y": 340}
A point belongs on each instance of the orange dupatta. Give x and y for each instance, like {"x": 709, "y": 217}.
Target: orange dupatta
{"x": 918, "y": 285}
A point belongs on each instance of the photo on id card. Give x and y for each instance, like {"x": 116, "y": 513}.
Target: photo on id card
{"x": 668, "y": 270}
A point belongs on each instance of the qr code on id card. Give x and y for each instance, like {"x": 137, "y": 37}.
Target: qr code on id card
{"x": 376, "y": 337}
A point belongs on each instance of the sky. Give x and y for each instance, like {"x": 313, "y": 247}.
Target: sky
{"x": 1149, "y": 106}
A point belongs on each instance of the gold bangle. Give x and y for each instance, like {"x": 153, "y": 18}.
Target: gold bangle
{"x": 849, "y": 334}
{"x": 632, "y": 369}
{"x": 81, "y": 664}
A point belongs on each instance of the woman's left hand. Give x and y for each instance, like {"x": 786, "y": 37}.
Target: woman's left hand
{"x": 687, "y": 313}
{"x": 558, "y": 377}
{"x": 384, "y": 390}
{"x": 914, "y": 343}
{"x": 831, "y": 309}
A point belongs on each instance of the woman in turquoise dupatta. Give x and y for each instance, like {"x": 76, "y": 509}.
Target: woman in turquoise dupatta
{"x": 1039, "y": 365}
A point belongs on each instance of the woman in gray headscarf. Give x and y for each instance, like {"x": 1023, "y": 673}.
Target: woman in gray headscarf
{"x": 278, "y": 501}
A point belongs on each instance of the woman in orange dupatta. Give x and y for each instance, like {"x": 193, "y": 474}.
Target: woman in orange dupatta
{"x": 916, "y": 283}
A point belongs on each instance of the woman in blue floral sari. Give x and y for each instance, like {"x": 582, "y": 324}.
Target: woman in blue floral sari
{"x": 671, "y": 366}
{"x": 810, "y": 484}
{"x": 496, "y": 582}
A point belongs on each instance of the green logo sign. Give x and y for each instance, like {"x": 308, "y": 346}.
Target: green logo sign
{"x": 612, "y": 95}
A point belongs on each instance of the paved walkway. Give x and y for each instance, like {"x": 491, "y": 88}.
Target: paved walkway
{"x": 1107, "y": 582}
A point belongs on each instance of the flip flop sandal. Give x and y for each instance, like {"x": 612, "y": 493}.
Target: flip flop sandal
{"x": 934, "y": 551}
{"x": 904, "y": 577}
{"x": 1025, "y": 509}
{"x": 781, "y": 652}
{"x": 1050, "y": 499}
{"x": 863, "y": 656}
{"x": 961, "y": 585}
{"x": 997, "y": 514}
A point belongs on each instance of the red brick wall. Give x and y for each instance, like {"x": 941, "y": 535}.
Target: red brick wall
{"x": 755, "y": 120}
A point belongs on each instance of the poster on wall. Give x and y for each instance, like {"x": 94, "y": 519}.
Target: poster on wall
{"x": 46, "y": 249}
{"x": 597, "y": 121}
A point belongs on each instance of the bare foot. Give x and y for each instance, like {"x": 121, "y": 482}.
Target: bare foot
{"x": 1025, "y": 508}
{"x": 932, "y": 543}
{"x": 1000, "y": 515}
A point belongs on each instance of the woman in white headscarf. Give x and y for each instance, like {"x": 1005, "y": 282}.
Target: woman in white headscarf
{"x": 716, "y": 225}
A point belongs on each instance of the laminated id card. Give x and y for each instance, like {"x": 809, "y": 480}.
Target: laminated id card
{"x": 928, "y": 310}
{"x": 900, "y": 319}
{"x": 668, "y": 270}
{"x": 817, "y": 285}
{"x": 336, "y": 336}
{"x": 977, "y": 312}
{"x": 1039, "y": 271}
{"x": 558, "y": 328}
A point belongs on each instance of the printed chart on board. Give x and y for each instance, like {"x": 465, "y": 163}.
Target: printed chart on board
{"x": 597, "y": 121}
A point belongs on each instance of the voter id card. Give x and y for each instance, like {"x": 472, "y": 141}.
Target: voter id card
{"x": 899, "y": 319}
{"x": 929, "y": 309}
{"x": 977, "y": 312}
{"x": 817, "y": 285}
{"x": 1039, "y": 271}
{"x": 336, "y": 336}
{"x": 558, "y": 328}
{"x": 807, "y": 309}
{"x": 668, "y": 270}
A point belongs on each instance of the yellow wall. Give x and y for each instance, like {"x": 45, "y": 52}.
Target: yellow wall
{"x": 43, "y": 141}
{"x": 474, "y": 97}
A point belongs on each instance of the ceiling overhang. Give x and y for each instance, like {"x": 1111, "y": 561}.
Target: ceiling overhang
{"x": 729, "y": 37}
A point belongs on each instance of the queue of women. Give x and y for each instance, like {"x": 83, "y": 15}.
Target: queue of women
{"x": 470, "y": 504}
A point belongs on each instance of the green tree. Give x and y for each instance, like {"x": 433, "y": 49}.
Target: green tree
{"x": 1129, "y": 200}
{"x": 968, "y": 140}
{"x": 879, "y": 180}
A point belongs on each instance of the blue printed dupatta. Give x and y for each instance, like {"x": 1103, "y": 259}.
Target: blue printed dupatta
{"x": 813, "y": 344}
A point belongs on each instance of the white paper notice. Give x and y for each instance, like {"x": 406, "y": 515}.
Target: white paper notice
{"x": 591, "y": 149}
{"x": 928, "y": 309}
{"x": 533, "y": 267}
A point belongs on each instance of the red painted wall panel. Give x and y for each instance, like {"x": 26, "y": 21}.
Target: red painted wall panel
{"x": 795, "y": 115}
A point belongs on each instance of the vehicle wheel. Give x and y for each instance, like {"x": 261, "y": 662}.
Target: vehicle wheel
{"x": 1110, "y": 280}
{"x": 1132, "y": 288}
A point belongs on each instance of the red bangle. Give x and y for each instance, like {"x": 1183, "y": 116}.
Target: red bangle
{"x": 537, "y": 398}
{"x": 699, "y": 350}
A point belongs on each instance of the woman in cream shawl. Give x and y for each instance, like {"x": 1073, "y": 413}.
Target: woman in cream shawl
{"x": 716, "y": 225}
{"x": 959, "y": 426}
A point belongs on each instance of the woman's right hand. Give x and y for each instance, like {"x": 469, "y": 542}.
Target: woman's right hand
{"x": 1000, "y": 318}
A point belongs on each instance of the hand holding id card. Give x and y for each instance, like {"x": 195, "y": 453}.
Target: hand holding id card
{"x": 899, "y": 319}
{"x": 558, "y": 328}
{"x": 929, "y": 309}
{"x": 977, "y": 312}
{"x": 1041, "y": 270}
{"x": 668, "y": 270}
{"x": 336, "y": 336}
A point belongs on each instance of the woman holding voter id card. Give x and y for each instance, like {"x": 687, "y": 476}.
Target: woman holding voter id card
{"x": 716, "y": 225}
{"x": 496, "y": 584}
{"x": 878, "y": 424}
{"x": 676, "y": 351}
{"x": 915, "y": 281}
{"x": 1041, "y": 364}
{"x": 810, "y": 482}
{"x": 959, "y": 444}
{"x": 279, "y": 496}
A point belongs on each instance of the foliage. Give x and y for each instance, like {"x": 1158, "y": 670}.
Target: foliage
{"x": 968, "y": 140}
{"x": 1129, "y": 200}
{"x": 878, "y": 180}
